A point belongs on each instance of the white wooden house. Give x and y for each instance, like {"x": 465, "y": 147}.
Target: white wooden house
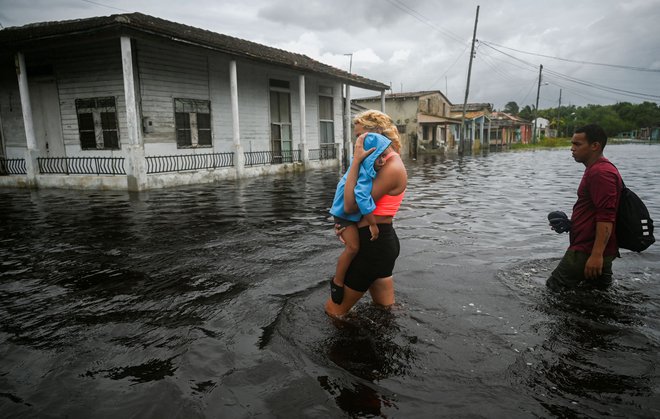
{"x": 135, "y": 102}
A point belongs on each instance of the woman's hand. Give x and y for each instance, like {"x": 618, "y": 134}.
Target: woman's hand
{"x": 359, "y": 153}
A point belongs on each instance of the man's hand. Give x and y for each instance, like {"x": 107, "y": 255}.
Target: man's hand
{"x": 559, "y": 221}
{"x": 373, "y": 229}
{"x": 593, "y": 269}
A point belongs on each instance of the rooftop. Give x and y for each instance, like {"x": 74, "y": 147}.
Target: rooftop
{"x": 33, "y": 35}
{"x": 406, "y": 95}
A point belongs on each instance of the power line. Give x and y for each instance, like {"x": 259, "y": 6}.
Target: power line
{"x": 625, "y": 67}
{"x": 529, "y": 65}
{"x": 501, "y": 72}
{"x": 531, "y": 87}
{"x": 602, "y": 87}
{"x": 105, "y": 5}
{"x": 608, "y": 89}
{"x": 451, "y": 66}
{"x": 412, "y": 12}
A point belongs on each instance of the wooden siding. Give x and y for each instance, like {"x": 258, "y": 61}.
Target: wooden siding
{"x": 11, "y": 113}
{"x": 95, "y": 71}
{"x": 165, "y": 73}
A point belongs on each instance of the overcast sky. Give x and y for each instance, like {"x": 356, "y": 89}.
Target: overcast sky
{"x": 595, "y": 51}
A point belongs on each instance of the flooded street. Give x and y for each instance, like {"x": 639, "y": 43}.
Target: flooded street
{"x": 207, "y": 301}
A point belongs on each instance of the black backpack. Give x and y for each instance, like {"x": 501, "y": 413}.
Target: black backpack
{"x": 634, "y": 226}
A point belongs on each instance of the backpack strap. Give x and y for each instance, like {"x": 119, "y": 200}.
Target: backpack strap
{"x": 623, "y": 184}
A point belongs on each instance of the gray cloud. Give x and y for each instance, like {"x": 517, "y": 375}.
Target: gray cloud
{"x": 424, "y": 45}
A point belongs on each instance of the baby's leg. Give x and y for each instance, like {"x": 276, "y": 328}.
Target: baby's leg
{"x": 351, "y": 248}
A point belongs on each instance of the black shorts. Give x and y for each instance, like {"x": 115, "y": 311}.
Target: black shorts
{"x": 375, "y": 259}
{"x": 343, "y": 222}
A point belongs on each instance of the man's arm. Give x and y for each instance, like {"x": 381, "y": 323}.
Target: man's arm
{"x": 594, "y": 266}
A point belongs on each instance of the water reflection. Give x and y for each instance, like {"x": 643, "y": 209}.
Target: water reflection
{"x": 594, "y": 353}
{"x": 208, "y": 301}
{"x": 368, "y": 344}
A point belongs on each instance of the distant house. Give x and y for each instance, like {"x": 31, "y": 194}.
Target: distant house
{"x": 649, "y": 134}
{"x": 135, "y": 102}
{"x": 506, "y": 129}
{"x": 477, "y": 118}
{"x": 543, "y": 129}
{"x": 423, "y": 119}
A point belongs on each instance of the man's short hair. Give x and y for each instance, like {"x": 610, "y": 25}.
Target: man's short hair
{"x": 594, "y": 133}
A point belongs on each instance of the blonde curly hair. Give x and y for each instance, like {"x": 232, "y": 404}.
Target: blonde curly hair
{"x": 381, "y": 123}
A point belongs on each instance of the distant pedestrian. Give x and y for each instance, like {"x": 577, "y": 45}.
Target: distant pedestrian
{"x": 593, "y": 245}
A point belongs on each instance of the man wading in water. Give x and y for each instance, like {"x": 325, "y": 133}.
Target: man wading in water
{"x": 593, "y": 246}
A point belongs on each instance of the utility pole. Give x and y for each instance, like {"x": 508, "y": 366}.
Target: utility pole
{"x": 559, "y": 113}
{"x": 461, "y": 144}
{"x": 536, "y": 109}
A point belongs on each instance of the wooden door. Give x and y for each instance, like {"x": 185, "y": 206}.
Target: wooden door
{"x": 47, "y": 119}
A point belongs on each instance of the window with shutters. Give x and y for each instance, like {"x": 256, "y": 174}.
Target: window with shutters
{"x": 192, "y": 119}
{"x": 97, "y": 123}
{"x": 280, "y": 118}
{"x": 326, "y": 118}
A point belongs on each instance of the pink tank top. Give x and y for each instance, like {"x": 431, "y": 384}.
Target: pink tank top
{"x": 388, "y": 205}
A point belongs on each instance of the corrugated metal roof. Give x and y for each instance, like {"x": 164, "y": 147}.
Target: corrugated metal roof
{"x": 407, "y": 95}
{"x": 16, "y": 38}
{"x": 472, "y": 107}
{"x": 425, "y": 119}
{"x": 508, "y": 116}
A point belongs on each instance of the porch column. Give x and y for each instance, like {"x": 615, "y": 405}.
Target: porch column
{"x": 481, "y": 135}
{"x": 303, "y": 121}
{"x": 136, "y": 170}
{"x": 239, "y": 156}
{"x": 348, "y": 143}
{"x": 488, "y": 135}
{"x": 382, "y": 101}
{"x": 32, "y": 152}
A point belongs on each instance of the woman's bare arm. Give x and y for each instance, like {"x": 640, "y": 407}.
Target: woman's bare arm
{"x": 359, "y": 154}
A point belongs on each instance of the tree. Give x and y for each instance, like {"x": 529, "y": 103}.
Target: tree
{"x": 526, "y": 113}
{"x": 511, "y": 108}
{"x": 647, "y": 114}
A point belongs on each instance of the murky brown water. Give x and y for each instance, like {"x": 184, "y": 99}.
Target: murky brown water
{"x": 207, "y": 301}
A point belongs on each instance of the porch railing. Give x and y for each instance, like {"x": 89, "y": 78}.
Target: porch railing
{"x": 12, "y": 167}
{"x": 158, "y": 164}
{"x": 81, "y": 165}
{"x": 162, "y": 164}
{"x": 323, "y": 153}
{"x": 255, "y": 158}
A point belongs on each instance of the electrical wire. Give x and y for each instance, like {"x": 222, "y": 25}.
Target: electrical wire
{"x": 625, "y": 67}
{"x": 415, "y": 14}
{"x": 602, "y": 87}
{"x": 608, "y": 89}
{"x": 450, "y": 67}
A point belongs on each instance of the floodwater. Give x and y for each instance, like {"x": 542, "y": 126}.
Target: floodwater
{"x": 206, "y": 302}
